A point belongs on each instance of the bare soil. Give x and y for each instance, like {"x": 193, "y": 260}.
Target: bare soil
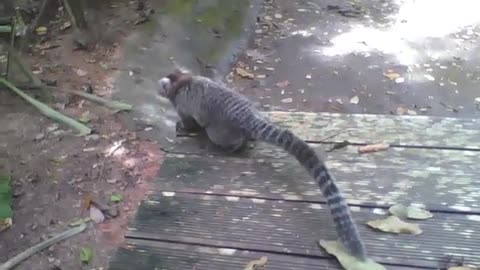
{"x": 57, "y": 174}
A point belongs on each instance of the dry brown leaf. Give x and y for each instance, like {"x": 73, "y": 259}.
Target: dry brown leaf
{"x": 392, "y": 75}
{"x": 255, "y": 264}
{"x": 393, "y": 224}
{"x": 370, "y": 148}
{"x": 243, "y": 73}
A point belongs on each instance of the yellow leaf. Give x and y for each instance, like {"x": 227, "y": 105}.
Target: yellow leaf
{"x": 41, "y": 30}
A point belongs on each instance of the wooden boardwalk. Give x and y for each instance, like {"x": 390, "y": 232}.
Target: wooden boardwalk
{"x": 212, "y": 211}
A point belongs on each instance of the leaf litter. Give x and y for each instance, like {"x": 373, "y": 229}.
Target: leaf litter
{"x": 348, "y": 261}
{"x": 256, "y": 264}
{"x": 410, "y": 212}
{"x": 393, "y": 224}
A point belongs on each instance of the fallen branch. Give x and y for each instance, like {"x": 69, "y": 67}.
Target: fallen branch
{"x": 36, "y": 81}
{"x": 49, "y": 112}
{"x": 112, "y": 104}
{"x": 39, "y": 247}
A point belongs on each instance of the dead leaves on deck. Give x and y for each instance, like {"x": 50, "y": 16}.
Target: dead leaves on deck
{"x": 393, "y": 224}
{"x": 256, "y": 264}
{"x": 410, "y": 212}
{"x": 348, "y": 261}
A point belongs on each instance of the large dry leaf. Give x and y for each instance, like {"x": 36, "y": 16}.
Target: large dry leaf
{"x": 393, "y": 224}
{"x": 410, "y": 212}
{"x": 255, "y": 264}
{"x": 348, "y": 261}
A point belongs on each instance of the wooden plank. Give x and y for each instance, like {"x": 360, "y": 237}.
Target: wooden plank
{"x": 294, "y": 227}
{"x": 442, "y": 180}
{"x": 148, "y": 255}
{"x": 422, "y": 131}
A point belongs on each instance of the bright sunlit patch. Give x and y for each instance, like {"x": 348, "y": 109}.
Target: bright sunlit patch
{"x": 406, "y": 39}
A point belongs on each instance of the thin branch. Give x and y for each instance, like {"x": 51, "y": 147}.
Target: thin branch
{"x": 49, "y": 112}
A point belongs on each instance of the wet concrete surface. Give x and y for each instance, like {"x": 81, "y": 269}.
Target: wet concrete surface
{"x": 188, "y": 33}
{"x": 381, "y": 57}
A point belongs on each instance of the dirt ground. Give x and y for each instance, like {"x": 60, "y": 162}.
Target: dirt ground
{"x": 56, "y": 174}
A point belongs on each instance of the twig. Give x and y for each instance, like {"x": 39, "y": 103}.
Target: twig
{"x": 333, "y": 135}
{"x": 112, "y": 104}
{"x": 49, "y": 112}
{"x": 39, "y": 247}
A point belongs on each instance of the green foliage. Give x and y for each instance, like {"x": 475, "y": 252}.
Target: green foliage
{"x": 5, "y": 197}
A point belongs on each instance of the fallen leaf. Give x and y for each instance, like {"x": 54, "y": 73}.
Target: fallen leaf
{"x": 283, "y": 84}
{"x": 348, "y": 261}
{"x": 86, "y": 254}
{"x": 393, "y": 224}
{"x": 370, "y": 148}
{"x": 42, "y": 30}
{"x": 5, "y": 224}
{"x": 255, "y": 264}
{"x": 411, "y": 112}
{"x": 392, "y": 75}
{"x": 461, "y": 268}
{"x": 85, "y": 117}
{"x": 287, "y": 100}
{"x": 81, "y": 72}
{"x": 116, "y": 197}
{"x": 410, "y": 212}
{"x": 243, "y": 73}
{"x": 355, "y": 100}
{"x": 96, "y": 215}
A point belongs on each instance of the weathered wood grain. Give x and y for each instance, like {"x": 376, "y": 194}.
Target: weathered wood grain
{"x": 369, "y": 128}
{"x": 148, "y": 255}
{"x": 294, "y": 227}
{"x": 440, "y": 179}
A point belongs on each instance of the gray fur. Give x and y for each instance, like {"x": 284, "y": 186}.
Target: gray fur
{"x": 230, "y": 119}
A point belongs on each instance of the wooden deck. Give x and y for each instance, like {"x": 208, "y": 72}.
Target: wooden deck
{"x": 213, "y": 211}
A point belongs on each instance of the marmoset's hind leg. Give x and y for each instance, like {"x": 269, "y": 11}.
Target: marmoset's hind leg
{"x": 188, "y": 124}
{"x": 228, "y": 139}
